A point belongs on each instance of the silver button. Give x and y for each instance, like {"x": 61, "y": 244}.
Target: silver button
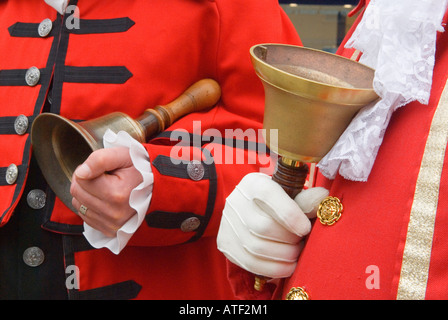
{"x": 195, "y": 170}
{"x": 45, "y": 27}
{"x": 32, "y": 76}
{"x": 50, "y": 97}
{"x": 12, "y": 173}
{"x": 190, "y": 224}
{"x": 36, "y": 199}
{"x": 33, "y": 256}
{"x": 21, "y": 124}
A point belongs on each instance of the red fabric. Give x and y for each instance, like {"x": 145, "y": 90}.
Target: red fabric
{"x": 171, "y": 45}
{"x": 373, "y": 227}
{"x": 338, "y": 261}
{"x": 438, "y": 277}
{"x": 243, "y": 284}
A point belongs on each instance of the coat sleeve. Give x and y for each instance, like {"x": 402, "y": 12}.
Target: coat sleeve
{"x": 199, "y": 160}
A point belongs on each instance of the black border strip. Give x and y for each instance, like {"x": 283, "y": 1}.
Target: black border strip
{"x": 212, "y": 193}
{"x": 93, "y": 26}
{"x": 167, "y": 167}
{"x": 125, "y": 290}
{"x": 45, "y": 82}
{"x": 16, "y": 77}
{"x": 113, "y": 74}
{"x": 7, "y": 125}
{"x": 169, "y": 220}
{"x": 230, "y": 142}
{"x": 86, "y": 26}
{"x": 59, "y": 66}
{"x": 20, "y": 177}
{"x": 28, "y": 30}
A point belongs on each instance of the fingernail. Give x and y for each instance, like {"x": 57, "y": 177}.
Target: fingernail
{"x": 83, "y": 171}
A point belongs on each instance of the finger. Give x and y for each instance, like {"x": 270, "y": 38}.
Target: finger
{"x": 260, "y": 246}
{"x": 95, "y": 220}
{"x": 263, "y": 246}
{"x": 270, "y": 196}
{"x": 113, "y": 188}
{"x": 228, "y": 244}
{"x": 82, "y": 196}
{"x": 309, "y": 200}
{"x": 103, "y": 160}
{"x": 115, "y": 213}
{"x": 99, "y": 188}
{"x": 256, "y": 220}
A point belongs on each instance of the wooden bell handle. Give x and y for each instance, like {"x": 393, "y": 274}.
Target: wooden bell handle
{"x": 291, "y": 176}
{"x": 200, "y": 96}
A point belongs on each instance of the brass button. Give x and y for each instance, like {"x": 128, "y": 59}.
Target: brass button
{"x": 12, "y": 173}
{"x": 32, "y": 76}
{"x": 297, "y": 293}
{"x": 330, "y": 210}
{"x": 21, "y": 124}
{"x": 36, "y": 199}
{"x": 44, "y": 28}
{"x": 190, "y": 224}
{"x": 33, "y": 256}
{"x": 195, "y": 170}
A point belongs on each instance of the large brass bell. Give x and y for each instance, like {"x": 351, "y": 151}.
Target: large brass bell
{"x": 311, "y": 96}
{"x": 61, "y": 145}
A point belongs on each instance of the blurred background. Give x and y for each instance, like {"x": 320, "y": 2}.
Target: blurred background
{"x": 321, "y": 24}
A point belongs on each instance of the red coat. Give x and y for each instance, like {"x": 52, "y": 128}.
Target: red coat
{"x": 390, "y": 241}
{"x": 129, "y": 56}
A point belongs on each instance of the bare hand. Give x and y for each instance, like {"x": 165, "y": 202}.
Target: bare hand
{"x": 103, "y": 184}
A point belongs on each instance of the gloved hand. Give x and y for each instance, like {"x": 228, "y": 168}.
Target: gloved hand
{"x": 262, "y": 227}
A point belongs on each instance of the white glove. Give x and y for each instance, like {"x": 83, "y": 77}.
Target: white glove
{"x": 262, "y": 227}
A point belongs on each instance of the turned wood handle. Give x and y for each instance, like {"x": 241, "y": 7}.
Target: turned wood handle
{"x": 291, "y": 176}
{"x": 200, "y": 96}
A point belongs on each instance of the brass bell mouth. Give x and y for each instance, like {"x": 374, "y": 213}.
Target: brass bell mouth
{"x": 61, "y": 145}
{"x": 310, "y": 97}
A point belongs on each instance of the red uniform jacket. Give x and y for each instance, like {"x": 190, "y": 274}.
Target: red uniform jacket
{"x": 129, "y": 56}
{"x": 390, "y": 242}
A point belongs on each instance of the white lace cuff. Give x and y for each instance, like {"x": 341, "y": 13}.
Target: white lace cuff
{"x": 139, "y": 199}
{"x": 398, "y": 40}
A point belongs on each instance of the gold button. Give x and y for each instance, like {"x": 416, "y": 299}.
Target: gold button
{"x": 330, "y": 210}
{"x": 297, "y": 293}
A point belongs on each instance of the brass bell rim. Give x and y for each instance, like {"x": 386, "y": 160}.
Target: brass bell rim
{"x": 55, "y": 170}
{"x": 291, "y": 158}
{"x": 312, "y": 97}
{"x": 294, "y": 83}
{"x": 52, "y": 117}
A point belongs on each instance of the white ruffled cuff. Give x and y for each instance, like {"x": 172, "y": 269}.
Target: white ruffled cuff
{"x": 139, "y": 199}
